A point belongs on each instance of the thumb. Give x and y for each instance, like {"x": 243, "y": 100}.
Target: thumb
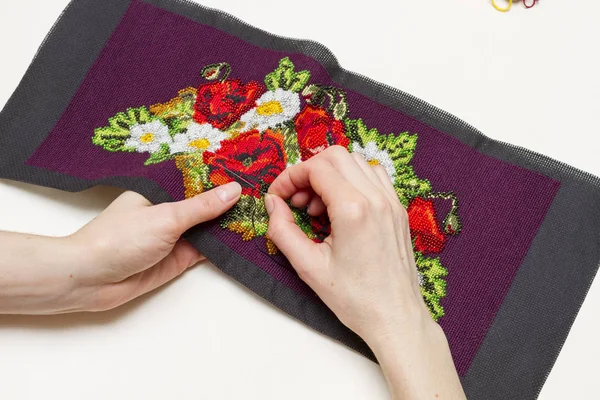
{"x": 205, "y": 206}
{"x": 304, "y": 254}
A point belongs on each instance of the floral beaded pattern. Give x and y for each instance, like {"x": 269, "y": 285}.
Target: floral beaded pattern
{"x": 226, "y": 130}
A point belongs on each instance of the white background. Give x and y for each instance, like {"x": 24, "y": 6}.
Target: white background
{"x": 529, "y": 77}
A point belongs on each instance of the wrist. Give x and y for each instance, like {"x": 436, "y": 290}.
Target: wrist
{"x": 71, "y": 282}
{"x": 410, "y": 338}
{"x": 38, "y": 277}
{"x": 405, "y": 323}
{"x": 417, "y": 363}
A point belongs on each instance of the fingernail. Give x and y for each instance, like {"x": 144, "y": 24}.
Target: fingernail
{"x": 269, "y": 203}
{"x": 228, "y": 191}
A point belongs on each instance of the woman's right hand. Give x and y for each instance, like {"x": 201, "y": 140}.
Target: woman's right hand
{"x": 365, "y": 270}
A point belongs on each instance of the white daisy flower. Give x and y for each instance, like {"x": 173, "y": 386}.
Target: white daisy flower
{"x": 148, "y": 137}
{"x": 272, "y": 109}
{"x": 198, "y": 137}
{"x": 374, "y": 156}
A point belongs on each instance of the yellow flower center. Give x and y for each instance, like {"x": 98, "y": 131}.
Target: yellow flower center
{"x": 270, "y": 108}
{"x": 200, "y": 144}
{"x": 147, "y": 137}
{"x": 373, "y": 162}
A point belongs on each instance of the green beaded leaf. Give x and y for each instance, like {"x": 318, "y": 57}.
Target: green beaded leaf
{"x": 195, "y": 173}
{"x": 357, "y": 131}
{"x": 176, "y": 125}
{"x": 408, "y": 185}
{"x": 400, "y": 147}
{"x": 290, "y": 144}
{"x": 300, "y": 80}
{"x": 249, "y": 217}
{"x": 163, "y": 154}
{"x": 286, "y": 78}
{"x": 272, "y": 81}
{"x": 433, "y": 284}
{"x": 177, "y": 113}
{"x": 113, "y": 137}
{"x": 200, "y": 172}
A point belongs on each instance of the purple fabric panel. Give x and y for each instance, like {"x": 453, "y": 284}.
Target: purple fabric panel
{"x": 154, "y": 53}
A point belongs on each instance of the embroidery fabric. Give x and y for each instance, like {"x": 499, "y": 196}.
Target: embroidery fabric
{"x": 226, "y": 130}
{"x": 98, "y": 74}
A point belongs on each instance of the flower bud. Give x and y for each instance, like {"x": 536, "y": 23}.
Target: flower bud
{"x": 452, "y": 224}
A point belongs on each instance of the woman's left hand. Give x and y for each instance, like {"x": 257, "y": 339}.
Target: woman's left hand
{"x": 130, "y": 249}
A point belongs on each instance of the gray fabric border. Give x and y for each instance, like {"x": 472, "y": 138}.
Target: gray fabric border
{"x": 529, "y": 330}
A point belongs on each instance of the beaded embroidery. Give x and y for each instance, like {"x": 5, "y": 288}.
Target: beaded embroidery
{"x": 226, "y": 130}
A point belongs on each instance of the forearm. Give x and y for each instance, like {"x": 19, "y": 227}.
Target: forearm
{"x": 36, "y": 274}
{"x": 417, "y": 363}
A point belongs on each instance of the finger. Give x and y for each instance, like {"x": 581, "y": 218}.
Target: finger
{"x": 308, "y": 198}
{"x": 317, "y": 174}
{"x": 302, "y": 198}
{"x": 402, "y": 231}
{"x": 203, "y": 207}
{"x": 410, "y": 254}
{"x": 316, "y": 207}
{"x": 347, "y": 164}
{"x": 182, "y": 257}
{"x": 304, "y": 254}
{"x": 386, "y": 182}
{"x": 367, "y": 169}
{"x": 400, "y": 218}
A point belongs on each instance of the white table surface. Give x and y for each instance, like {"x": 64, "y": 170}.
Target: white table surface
{"x": 529, "y": 77}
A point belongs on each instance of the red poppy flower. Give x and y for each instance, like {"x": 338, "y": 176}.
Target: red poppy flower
{"x": 252, "y": 159}
{"x": 318, "y": 130}
{"x": 321, "y": 227}
{"x": 222, "y": 103}
{"x": 424, "y": 228}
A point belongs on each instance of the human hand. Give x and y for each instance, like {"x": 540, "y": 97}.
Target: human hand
{"x": 365, "y": 270}
{"x": 130, "y": 249}
{"x": 133, "y": 247}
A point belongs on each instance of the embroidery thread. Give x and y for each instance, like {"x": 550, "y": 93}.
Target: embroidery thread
{"x": 226, "y": 130}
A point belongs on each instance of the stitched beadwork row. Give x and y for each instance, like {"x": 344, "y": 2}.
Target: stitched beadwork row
{"x": 226, "y": 130}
